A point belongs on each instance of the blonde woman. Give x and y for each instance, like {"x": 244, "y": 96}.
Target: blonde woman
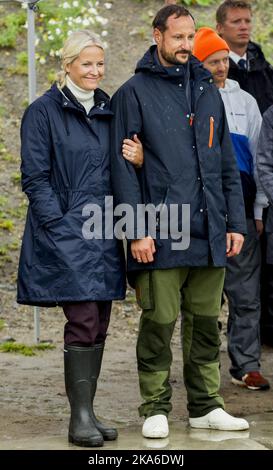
{"x": 65, "y": 167}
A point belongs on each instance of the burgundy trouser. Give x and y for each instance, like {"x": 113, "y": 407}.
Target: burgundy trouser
{"x": 87, "y": 322}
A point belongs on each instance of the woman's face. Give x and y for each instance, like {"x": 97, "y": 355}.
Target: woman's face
{"x": 88, "y": 69}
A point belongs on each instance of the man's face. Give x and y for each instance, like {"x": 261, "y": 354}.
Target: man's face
{"x": 176, "y": 43}
{"x": 218, "y": 64}
{"x": 237, "y": 27}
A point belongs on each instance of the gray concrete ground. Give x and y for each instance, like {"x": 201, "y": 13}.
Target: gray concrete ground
{"x": 259, "y": 437}
{"x": 34, "y": 411}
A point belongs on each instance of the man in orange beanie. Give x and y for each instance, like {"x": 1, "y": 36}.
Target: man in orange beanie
{"x": 244, "y": 120}
{"x": 207, "y": 42}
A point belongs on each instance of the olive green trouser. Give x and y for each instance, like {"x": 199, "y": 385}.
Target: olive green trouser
{"x": 159, "y": 293}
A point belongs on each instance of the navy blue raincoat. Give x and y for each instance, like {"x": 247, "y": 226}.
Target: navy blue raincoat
{"x": 188, "y": 158}
{"x": 65, "y": 166}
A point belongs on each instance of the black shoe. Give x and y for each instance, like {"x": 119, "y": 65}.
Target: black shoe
{"x": 78, "y": 364}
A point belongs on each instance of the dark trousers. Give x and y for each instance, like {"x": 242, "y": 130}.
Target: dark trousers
{"x": 242, "y": 288}
{"x": 267, "y": 281}
{"x": 87, "y": 322}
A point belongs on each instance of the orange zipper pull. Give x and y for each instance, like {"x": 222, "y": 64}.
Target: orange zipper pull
{"x": 191, "y": 119}
{"x": 211, "y": 131}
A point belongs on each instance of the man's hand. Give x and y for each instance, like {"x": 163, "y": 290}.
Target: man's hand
{"x": 259, "y": 226}
{"x": 234, "y": 244}
{"x": 143, "y": 250}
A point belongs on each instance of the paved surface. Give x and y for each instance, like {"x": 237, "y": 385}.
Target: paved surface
{"x": 259, "y": 437}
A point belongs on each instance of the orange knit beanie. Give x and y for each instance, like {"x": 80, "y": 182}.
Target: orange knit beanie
{"x": 206, "y": 42}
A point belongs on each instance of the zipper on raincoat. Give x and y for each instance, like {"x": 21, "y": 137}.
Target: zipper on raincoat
{"x": 211, "y": 131}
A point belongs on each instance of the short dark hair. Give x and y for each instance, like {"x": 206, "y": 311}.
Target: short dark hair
{"x": 221, "y": 12}
{"x": 161, "y": 18}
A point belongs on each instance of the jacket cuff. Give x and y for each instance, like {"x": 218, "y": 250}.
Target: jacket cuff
{"x": 258, "y": 211}
{"x": 238, "y": 229}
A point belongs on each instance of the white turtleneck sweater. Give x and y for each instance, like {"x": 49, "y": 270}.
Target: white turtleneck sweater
{"x": 85, "y": 97}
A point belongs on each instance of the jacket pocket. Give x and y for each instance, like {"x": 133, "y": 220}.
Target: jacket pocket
{"x": 211, "y": 131}
{"x": 50, "y": 243}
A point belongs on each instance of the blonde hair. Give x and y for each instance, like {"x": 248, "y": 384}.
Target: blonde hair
{"x": 75, "y": 43}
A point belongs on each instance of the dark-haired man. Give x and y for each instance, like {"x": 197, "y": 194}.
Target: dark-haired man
{"x": 178, "y": 113}
{"x": 248, "y": 65}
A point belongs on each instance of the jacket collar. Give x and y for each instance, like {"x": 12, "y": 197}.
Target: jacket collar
{"x": 67, "y": 100}
{"x": 256, "y": 58}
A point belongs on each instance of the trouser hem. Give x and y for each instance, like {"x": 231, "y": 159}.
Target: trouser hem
{"x": 196, "y": 414}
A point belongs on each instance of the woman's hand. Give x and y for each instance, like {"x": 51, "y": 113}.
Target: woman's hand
{"x": 132, "y": 151}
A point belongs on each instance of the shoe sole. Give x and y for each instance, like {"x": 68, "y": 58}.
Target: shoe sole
{"x": 217, "y": 427}
{"x": 162, "y": 436}
{"x": 110, "y": 437}
{"x": 83, "y": 443}
{"x": 242, "y": 384}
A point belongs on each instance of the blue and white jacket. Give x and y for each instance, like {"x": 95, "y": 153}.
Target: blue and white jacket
{"x": 244, "y": 121}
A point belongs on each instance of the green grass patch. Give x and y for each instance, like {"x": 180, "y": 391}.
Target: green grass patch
{"x": 22, "y": 63}
{"x": 3, "y": 201}
{"x": 5, "y": 255}
{"x": 24, "y": 103}
{"x": 3, "y": 250}
{"x": 263, "y": 26}
{"x": 4, "y": 260}
{"x": 6, "y": 225}
{"x": 17, "y": 70}
{"x": 10, "y": 28}
{"x": 2, "y": 111}
{"x": 2, "y": 148}
{"x": 24, "y": 349}
{"x": 14, "y": 246}
{"x": 2, "y": 324}
{"x": 8, "y": 157}
{"x": 6, "y": 248}
{"x": 18, "y": 212}
{"x": 51, "y": 76}
{"x": 15, "y": 178}
{"x": 21, "y": 67}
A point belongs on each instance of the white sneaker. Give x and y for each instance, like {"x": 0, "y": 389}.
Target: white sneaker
{"x": 155, "y": 427}
{"x": 219, "y": 419}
